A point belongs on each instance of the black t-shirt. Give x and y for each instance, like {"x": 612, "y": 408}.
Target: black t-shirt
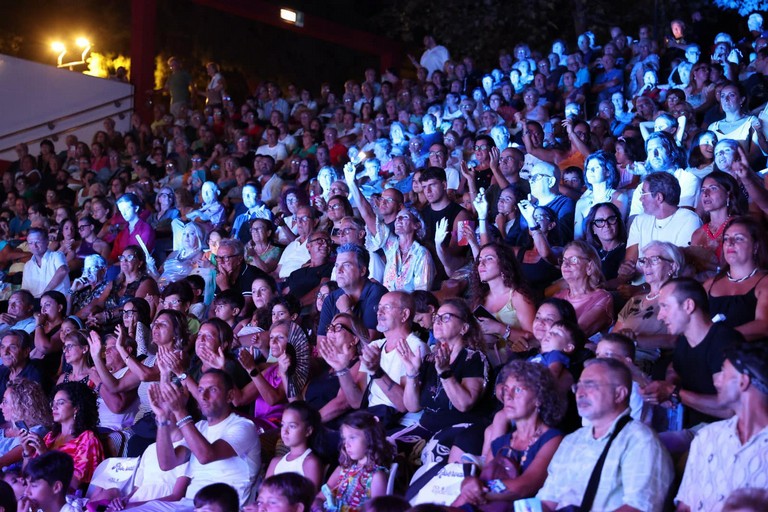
{"x": 304, "y": 279}
{"x": 438, "y": 410}
{"x": 370, "y": 297}
{"x": 244, "y": 281}
{"x": 432, "y": 217}
{"x": 696, "y": 365}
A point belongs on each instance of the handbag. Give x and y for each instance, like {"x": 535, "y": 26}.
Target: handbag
{"x": 439, "y": 485}
{"x": 594, "y": 478}
{"x": 501, "y": 467}
{"x": 115, "y": 473}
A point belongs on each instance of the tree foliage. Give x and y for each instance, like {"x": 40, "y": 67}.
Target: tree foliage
{"x": 744, "y": 7}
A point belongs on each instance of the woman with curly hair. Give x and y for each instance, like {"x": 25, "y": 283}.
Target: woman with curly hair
{"x": 24, "y": 402}
{"x": 580, "y": 266}
{"x": 448, "y": 383}
{"x": 501, "y": 299}
{"x": 533, "y": 406}
{"x": 75, "y": 417}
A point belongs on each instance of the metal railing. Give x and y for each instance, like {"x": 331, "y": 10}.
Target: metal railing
{"x": 51, "y": 125}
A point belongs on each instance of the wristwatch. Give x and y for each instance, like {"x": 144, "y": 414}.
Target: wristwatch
{"x": 254, "y": 372}
{"x": 180, "y": 378}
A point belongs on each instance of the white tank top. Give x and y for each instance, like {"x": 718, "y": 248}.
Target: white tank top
{"x": 292, "y": 466}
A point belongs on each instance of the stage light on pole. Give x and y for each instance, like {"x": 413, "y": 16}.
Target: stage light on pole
{"x": 60, "y": 48}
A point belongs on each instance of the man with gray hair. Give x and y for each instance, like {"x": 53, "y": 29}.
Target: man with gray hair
{"x": 232, "y": 272}
{"x": 664, "y": 155}
{"x": 636, "y": 471}
{"x": 356, "y": 295}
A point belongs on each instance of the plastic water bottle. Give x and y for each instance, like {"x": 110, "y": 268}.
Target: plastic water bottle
{"x": 675, "y": 418}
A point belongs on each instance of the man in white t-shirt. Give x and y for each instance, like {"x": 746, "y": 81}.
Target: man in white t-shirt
{"x": 224, "y": 447}
{"x": 433, "y": 58}
{"x": 382, "y": 372}
{"x": 662, "y": 221}
{"x": 47, "y": 270}
{"x": 296, "y": 253}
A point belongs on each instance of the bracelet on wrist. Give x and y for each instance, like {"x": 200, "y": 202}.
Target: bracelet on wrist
{"x": 183, "y": 421}
{"x": 342, "y": 372}
{"x": 507, "y": 332}
{"x": 379, "y": 373}
{"x": 162, "y": 423}
{"x": 414, "y": 376}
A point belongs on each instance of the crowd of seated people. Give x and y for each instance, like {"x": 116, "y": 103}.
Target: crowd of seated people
{"x": 554, "y": 271}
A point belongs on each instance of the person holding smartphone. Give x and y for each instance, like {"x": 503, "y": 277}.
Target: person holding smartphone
{"x": 25, "y": 406}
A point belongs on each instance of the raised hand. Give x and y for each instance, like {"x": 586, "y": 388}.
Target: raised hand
{"x": 174, "y": 397}
{"x": 337, "y": 358}
{"x": 481, "y": 204}
{"x": 156, "y": 403}
{"x": 494, "y": 154}
{"x": 245, "y": 358}
{"x": 411, "y": 361}
{"x": 442, "y": 354}
{"x": 467, "y": 171}
{"x": 371, "y": 356}
{"x": 526, "y": 210}
{"x": 349, "y": 173}
{"x": 441, "y": 231}
{"x": 284, "y": 363}
{"x": 213, "y": 359}
{"x": 94, "y": 345}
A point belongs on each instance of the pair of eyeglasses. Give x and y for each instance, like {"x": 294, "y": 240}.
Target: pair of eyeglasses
{"x": 126, "y": 257}
{"x": 442, "y": 318}
{"x": 571, "y": 261}
{"x": 484, "y": 147}
{"x": 319, "y": 241}
{"x": 652, "y": 260}
{"x": 385, "y": 307}
{"x": 337, "y": 328}
{"x": 600, "y": 223}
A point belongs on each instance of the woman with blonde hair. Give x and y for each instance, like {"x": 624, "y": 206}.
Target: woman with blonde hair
{"x": 583, "y": 276}
{"x": 24, "y": 404}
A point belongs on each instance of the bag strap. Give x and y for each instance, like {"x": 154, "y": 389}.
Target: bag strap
{"x": 364, "y": 403}
{"x": 594, "y": 479}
